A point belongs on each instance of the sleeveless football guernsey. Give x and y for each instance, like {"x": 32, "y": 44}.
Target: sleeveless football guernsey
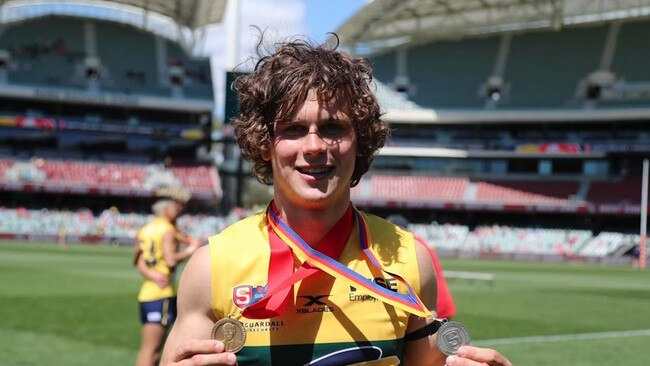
{"x": 328, "y": 321}
{"x": 150, "y": 242}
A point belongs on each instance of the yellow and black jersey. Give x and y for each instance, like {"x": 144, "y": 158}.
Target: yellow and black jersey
{"x": 150, "y": 241}
{"x": 328, "y": 321}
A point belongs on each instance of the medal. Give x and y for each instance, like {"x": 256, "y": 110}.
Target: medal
{"x": 451, "y": 336}
{"x": 231, "y": 333}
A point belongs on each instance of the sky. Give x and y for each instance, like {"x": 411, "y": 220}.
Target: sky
{"x": 280, "y": 19}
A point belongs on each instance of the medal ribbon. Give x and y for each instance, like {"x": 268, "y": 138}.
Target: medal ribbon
{"x": 410, "y": 303}
{"x": 280, "y": 276}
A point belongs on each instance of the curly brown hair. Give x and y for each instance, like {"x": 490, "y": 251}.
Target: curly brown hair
{"x": 279, "y": 85}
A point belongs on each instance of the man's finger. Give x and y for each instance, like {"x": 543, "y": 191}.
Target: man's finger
{"x": 196, "y": 347}
{"x": 214, "y": 359}
{"x": 485, "y": 355}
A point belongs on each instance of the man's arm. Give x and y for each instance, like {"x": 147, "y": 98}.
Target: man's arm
{"x": 159, "y": 278}
{"x": 423, "y": 351}
{"x": 170, "y": 254}
{"x": 189, "y": 341}
{"x": 137, "y": 252}
{"x": 445, "y": 306}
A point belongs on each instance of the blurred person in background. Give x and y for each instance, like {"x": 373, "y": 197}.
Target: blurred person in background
{"x": 445, "y": 305}
{"x": 156, "y": 257}
{"x": 63, "y": 237}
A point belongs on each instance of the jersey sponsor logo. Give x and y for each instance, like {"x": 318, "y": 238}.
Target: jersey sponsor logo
{"x": 154, "y": 316}
{"x": 314, "y": 304}
{"x": 314, "y": 300}
{"x": 263, "y": 326}
{"x": 245, "y": 295}
{"x": 388, "y": 283}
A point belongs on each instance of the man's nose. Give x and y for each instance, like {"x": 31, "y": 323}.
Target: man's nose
{"x": 314, "y": 143}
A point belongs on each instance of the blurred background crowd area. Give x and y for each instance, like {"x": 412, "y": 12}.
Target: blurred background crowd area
{"x": 121, "y": 228}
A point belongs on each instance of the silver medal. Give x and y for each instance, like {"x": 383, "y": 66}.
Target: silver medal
{"x": 451, "y": 336}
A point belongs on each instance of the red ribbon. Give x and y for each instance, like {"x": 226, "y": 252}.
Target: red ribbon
{"x": 281, "y": 276}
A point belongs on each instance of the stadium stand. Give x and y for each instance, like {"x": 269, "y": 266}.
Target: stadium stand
{"x": 632, "y": 39}
{"x": 449, "y": 74}
{"x": 417, "y": 188}
{"x": 135, "y": 74}
{"x": 525, "y": 191}
{"x": 45, "y": 52}
{"x": 538, "y": 73}
{"x": 137, "y": 179}
{"x": 539, "y": 120}
{"x": 113, "y": 226}
{"x": 625, "y": 190}
{"x": 98, "y": 111}
{"x": 492, "y": 122}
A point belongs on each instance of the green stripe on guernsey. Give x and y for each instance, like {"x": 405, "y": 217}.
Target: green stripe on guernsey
{"x": 301, "y": 354}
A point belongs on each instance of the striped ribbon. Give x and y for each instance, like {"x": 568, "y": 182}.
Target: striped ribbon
{"x": 410, "y": 303}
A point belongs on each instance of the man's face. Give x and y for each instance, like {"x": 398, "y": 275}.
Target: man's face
{"x": 229, "y": 332}
{"x": 174, "y": 209}
{"x": 313, "y": 154}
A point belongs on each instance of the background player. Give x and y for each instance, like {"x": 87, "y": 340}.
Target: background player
{"x": 156, "y": 258}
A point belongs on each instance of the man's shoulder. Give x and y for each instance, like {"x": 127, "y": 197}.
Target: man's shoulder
{"x": 245, "y": 227}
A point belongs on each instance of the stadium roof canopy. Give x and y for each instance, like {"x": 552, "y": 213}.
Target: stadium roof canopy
{"x": 388, "y": 23}
{"x": 183, "y": 21}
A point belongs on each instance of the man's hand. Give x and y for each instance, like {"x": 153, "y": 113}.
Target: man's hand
{"x": 195, "y": 352}
{"x": 475, "y": 356}
{"x": 192, "y": 244}
{"x": 159, "y": 278}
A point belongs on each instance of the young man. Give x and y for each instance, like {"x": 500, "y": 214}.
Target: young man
{"x": 311, "y": 280}
{"x": 156, "y": 257}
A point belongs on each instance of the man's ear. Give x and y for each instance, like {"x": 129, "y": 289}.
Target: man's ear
{"x": 266, "y": 153}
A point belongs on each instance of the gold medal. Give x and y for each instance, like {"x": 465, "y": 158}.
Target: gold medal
{"x": 231, "y": 333}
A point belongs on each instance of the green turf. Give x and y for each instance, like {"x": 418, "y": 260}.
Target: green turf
{"x": 78, "y": 308}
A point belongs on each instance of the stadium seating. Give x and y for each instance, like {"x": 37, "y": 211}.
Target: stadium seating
{"x": 538, "y": 73}
{"x": 45, "y": 52}
{"x": 195, "y": 178}
{"x": 197, "y": 82}
{"x": 607, "y": 243}
{"x": 111, "y": 174}
{"x": 525, "y": 191}
{"x": 4, "y": 164}
{"x": 417, "y": 188}
{"x": 450, "y": 74}
{"x": 70, "y": 173}
{"x": 460, "y": 189}
{"x": 52, "y": 52}
{"x": 626, "y": 190}
{"x": 513, "y": 240}
{"x": 505, "y": 239}
{"x": 445, "y": 236}
{"x": 135, "y": 73}
{"x": 631, "y": 47}
{"x": 113, "y": 225}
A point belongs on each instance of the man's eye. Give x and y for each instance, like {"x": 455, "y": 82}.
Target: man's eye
{"x": 331, "y": 129}
{"x": 293, "y": 129}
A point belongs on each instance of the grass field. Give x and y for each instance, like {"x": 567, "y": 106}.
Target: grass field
{"x": 78, "y": 308}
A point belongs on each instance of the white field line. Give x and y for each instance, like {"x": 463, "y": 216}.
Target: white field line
{"x": 563, "y": 337}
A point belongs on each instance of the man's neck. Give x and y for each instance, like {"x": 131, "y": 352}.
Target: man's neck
{"x": 311, "y": 224}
